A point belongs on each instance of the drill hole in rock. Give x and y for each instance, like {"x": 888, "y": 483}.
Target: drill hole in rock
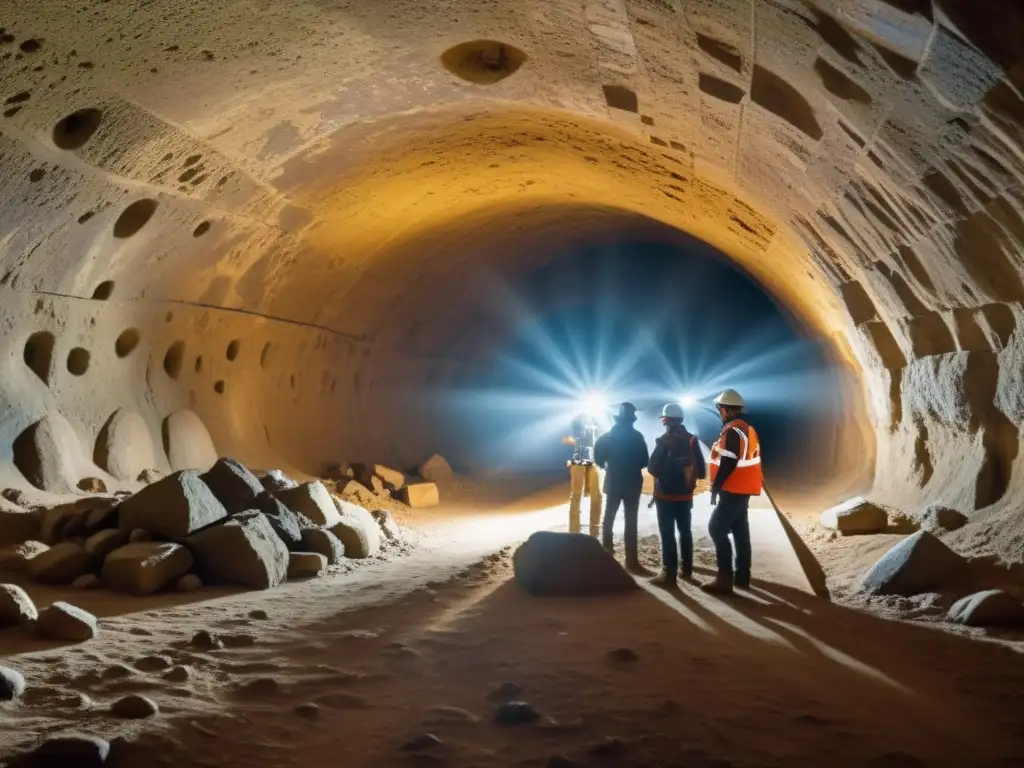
{"x": 126, "y": 342}
{"x": 233, "y": 348}
{"x": 104, "y": 290}
{"x": 220, "y": 386}
{"x": 483, "y": 62}
{"x": 174, "y": 358}
{"x": 39, "y": 354}
{"x": 72, "y": 132}
{"x": 265, "y": 356}
{"x": 201, "y": 230}
{"x": 78, "y": 361}
{"x": 199, "y": 364}
{"x": 134, "y": 217}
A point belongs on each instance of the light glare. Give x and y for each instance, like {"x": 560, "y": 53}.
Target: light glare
{"x": 594, "y": 404}
{"x": 687, "y": 400}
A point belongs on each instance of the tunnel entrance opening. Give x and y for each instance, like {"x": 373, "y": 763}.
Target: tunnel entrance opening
{"x": 652, "y": 323}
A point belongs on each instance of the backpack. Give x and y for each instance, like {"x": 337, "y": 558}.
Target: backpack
{"x": 678, "y": 475}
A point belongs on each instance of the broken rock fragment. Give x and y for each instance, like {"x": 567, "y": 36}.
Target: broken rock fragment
{"x": 920, "y": 563}
{"x": 63, "y": 621}
{"x": 938, "y": 519}
{"x": 16, "y": 607}
{"x": 306, "y": 565}
{"x": 102, "y": 543}
{"x": 419, "y": 495}
{"x": 856, "y": 516}
{"x": 286, "y": 524}
{"x": 312, "y": 501}
{"x": 12, "y": 684}
{"x": 435, "y": 469}
{"x": 17, "y": 558}
{"x": 243, "y": 551}
{"x": 991, "y": 608}
{"x": 60, "y": 564}
{"x": 143, "y": 568}
{"x": 276, "y": 480}
{"x": 173, "y": 508}
{"x": 72, "y": 750}
{"x": 233, "y": 485}
{"x": 550, "y": 563}
{"x": 324, "y": 543}
{"x": 356, "y": 529}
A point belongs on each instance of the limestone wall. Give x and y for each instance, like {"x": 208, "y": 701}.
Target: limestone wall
{"x": 338, "y": 180}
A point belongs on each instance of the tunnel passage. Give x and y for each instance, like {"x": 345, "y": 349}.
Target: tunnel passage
{"x": 654, "y": 323}
{"x": 341, "y": 213}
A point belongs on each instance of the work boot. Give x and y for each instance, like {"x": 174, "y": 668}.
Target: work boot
{"x": 664, "y": 580}
{"x": 742, "y": 584}
{"x": 722, "y": 585}
{"x": 634, "y": 567}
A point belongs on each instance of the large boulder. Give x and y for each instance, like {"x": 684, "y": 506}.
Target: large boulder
{"x": 145, "y": 567}
{"x": 16, "y": 607}
{"x": 276, "y": 480}
{"x": 357, "y": 530}
{"x": 551, "y": 563}
{"x": 60, "y": 564}
{"x": 174, "y": 508}
{"x": 856, "y": 516}
{"x": 63, "y": 621}
{"x": 233, "y": 485}
{"x": 919, "y": 563}
{"x": 435, "y": 469}
{"x": 991, "y": 608}
{"x": 243, "y": 551}
{"x": 356, "y": 492}
{"x": 187, "y": 443}
{"x": 17, "y": 558}
{"x": 312, "y": 501}
{"x": 125, "y": 446}
{"x": 420, "y": 495}
{"x": 325, "y": 543}
{"x": 53, "y": 521}
{"x": 938, "y": 519}
{"x": 12, "y": 684}
{"x": 287, "y": 525}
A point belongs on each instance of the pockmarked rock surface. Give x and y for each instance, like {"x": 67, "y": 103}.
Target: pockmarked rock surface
{"x": 551, "y": 563}
{"x": 920, "y": 563}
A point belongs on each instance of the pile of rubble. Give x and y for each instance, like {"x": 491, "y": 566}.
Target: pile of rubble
{"x": 222, "y": 527}
{"x": 368, "y": 484}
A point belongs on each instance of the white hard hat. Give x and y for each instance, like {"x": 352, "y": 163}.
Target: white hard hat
{"x": 730, "y": 397}
{"x": 672, "y": 411}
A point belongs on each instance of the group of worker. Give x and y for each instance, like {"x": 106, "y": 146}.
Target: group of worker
{"x": 676, "y": 464}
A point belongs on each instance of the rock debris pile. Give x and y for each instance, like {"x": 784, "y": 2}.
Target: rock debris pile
{"x": 224, "y": 527}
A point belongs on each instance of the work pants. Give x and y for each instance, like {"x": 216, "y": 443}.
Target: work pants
{"x": 584, "y": 477}
{"x": 630, "y": 500}
{"x": 675, "y": 516}
{"x": 731, "y": 516}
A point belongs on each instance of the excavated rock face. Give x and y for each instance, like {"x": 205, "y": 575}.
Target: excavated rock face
{"x": 215, "y": 242}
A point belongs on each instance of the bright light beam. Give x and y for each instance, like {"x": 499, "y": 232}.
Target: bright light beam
{"x": 687, "y": 400}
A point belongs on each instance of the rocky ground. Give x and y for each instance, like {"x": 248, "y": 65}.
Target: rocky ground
{"x": 417, "y": 658}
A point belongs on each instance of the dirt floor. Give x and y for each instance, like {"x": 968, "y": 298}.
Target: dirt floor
{"x": 357, "y": 668}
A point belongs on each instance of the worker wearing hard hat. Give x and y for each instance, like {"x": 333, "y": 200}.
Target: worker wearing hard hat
{"x": 735, "y": 477}
{"x": 583, "y": 476}
{"x": 676, "y": 464}
{"x": 622, "y": 453}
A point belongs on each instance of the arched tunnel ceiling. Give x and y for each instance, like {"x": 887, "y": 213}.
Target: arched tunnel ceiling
{"x": 354, "y": 169}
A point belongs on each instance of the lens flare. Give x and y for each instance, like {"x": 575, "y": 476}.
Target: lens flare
{"x": 594, "y": 404}
{"x": 687, "y": 400}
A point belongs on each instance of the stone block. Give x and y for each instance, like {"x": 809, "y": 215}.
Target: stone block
{"x": 145, "y": 567}
{"x": 420, "y": 495}
{"x": 244, "y": 551}
{"x": 173, "y": 508}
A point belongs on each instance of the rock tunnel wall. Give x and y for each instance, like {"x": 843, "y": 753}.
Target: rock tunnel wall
{"x": 338, "y": 180}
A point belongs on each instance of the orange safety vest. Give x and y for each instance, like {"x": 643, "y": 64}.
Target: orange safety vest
{"x": 746, "y": 479}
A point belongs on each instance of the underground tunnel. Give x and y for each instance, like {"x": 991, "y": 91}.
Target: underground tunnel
{"x": 335, "y": 264}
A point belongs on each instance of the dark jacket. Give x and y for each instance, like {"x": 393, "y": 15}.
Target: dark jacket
{"x": 622, "y": 453}
{"x": 676, "y": 440}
